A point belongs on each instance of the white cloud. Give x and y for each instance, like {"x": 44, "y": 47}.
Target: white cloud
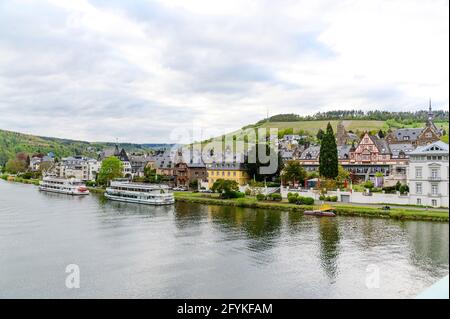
{"x": 98, "y": 69}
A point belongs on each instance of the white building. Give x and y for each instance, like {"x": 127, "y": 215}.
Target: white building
{"x": 428, "y": 175}
{"x": 79, "y": 167}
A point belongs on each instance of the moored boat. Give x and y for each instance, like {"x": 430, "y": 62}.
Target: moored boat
{"x": 70, "y": 186}
{"x": 319, "y": 213}
{"x": 324, "y": 210}
{"x": 149, "y": 194}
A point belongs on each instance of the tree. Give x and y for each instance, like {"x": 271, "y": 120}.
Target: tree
{"x": 381, "y": 134}
{"x": 328, "y": 158}
{"x": 193, "y": 185}
{"x": 225, "y": 187}
{"x": 253, "y": 169}
{"x": 320, "y": 134}
{"x": 294, "y": 172}
{"x": 111, "y": 168}
{"x": 150, "y": 175}
{"x": 343, "y": 175}
{"x": 15, "y": 166}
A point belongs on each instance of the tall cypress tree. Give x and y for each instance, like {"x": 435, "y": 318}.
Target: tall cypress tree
{"x": 328, "y": 159}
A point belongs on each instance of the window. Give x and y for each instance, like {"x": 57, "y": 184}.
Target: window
{"x": 434, "y": 173}
{"x": 434, "y": 189}
{"x": 419, "y": 201}
{"x": 418, "y": 172}
{"x": 418, "y": 188}
{"x": 434, "y": 202}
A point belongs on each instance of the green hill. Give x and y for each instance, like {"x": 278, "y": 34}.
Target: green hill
{"x": 354, "y": 121}
{"x": 12, "y": 143}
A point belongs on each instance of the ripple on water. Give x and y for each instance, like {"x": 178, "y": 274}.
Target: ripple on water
{"x": 194, "y": 251}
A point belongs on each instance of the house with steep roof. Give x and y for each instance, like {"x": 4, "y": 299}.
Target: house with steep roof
{"x": 417, "y": 136}
{"x": 370, "y": 156}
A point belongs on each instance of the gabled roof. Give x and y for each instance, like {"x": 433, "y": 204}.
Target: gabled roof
{"x": 343, "y": 151}
{"x": 406, "y": 148}
{"x": 381, "y": 144}
{"x": 311, "y": 153}
{"x": 411, "y": 134}
{"x": 438, "y": 147}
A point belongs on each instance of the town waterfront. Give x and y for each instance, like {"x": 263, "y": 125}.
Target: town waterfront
{"x": 196, "y": 251}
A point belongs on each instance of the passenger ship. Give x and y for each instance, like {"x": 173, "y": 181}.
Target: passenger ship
{"x": 140, "y": 193}
{"x": 69, "y": 186}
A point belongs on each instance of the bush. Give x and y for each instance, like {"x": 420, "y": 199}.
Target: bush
{"x": 273, "y": 184}
{"x": 236, "y": 194}
{"x": 261, "y": 197}
{"x": 389, "y": 189}
{"x": 322, "y": 197}
{"x": 275, "y": 197}
{"x": 292, "y": 198}
{"x": 404, "y": 189}
{"x": 333, "y": 199}
{"x": 369, "y": 184}
{"x": 248, "y": 192}
{"x": 4, "y": 176}
{"x": 305, "y": 200}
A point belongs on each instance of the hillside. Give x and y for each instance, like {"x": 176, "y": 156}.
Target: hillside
{"x": 355, "y": 121}
{"x": 12, "y": 143}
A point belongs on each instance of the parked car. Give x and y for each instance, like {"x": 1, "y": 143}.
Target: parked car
{"x": 179, "y": 189}
{"x": 206, "y": 191}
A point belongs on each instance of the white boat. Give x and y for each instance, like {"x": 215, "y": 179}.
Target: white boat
{"x": 140, "y": 193}
{"x": 70, "y": 186}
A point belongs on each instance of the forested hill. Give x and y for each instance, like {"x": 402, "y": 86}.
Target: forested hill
{"x": 12, "y": 143}
{"x": 402, "y": 117}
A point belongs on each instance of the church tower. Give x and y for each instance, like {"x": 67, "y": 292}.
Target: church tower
{"x": 430, "y": 117}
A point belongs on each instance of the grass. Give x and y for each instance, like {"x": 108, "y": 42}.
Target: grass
{"x": 313, "y": 126}
{"x": 344, "y": 210}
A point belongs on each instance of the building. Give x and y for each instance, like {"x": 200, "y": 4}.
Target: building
{"x": 37, "y": 161}
{"x": 230, "y": 171}
{"x": 79, "y": 167}
{"x": 417, "y": 136}
{"x": 120, "y": 154}
{"x": 138, "y": 164}
{"x": 428, "y": 175}
{"x": 372, "y": 155}
{"x": 186, "y": 173}
{"x": 343, "y": 137}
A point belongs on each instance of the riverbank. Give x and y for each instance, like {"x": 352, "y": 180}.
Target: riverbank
{"x": 341, "y": 209}
{"x": 404, "y": 213}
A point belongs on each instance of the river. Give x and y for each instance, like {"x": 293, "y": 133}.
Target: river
{"x": 187, "y": 250}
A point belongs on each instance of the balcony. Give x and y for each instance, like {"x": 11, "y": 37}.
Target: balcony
{"x": 434, "y": 178}
{"x": 434, "y": 195}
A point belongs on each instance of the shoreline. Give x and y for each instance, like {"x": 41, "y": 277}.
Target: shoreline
{"x": 341, "y": 210}
{"x": 250, "y": 202}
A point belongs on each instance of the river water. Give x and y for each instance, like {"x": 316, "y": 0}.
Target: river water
{"x": 126, "y": 250}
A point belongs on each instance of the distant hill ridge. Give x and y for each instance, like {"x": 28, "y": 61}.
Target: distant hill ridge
{"x": 416, "y": 116}
{"x": 12, "y": 143}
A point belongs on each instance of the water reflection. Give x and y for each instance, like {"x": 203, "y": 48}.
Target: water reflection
{"x": 428, "y": 244}
{"x": 196, "y": 251}
{"x": 329, "y": 246}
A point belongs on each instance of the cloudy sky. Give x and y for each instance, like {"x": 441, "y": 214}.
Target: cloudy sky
{"x": 99, "y": 70}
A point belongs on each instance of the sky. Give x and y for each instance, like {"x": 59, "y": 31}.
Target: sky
{"x": 144, "y": 71}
